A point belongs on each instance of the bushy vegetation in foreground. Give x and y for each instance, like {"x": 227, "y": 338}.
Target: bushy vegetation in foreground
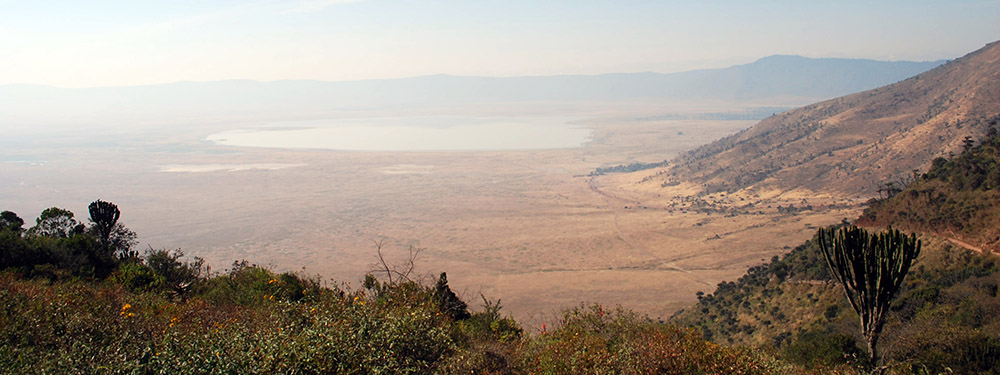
{"x": 250, "y": 320}
{"x": 76, "y": 302}
{"x": 79, "y": 299}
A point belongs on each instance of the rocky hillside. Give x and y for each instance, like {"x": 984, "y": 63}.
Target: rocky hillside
{"x": 856, "y": 143}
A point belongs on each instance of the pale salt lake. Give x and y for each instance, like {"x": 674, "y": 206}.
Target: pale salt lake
{"x": 413, "y": 134}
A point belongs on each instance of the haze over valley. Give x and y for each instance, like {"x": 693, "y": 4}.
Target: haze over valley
{"x": 268, "y": 132}
{"x": 500, "y": 187}
{"x": 493, "y": 188}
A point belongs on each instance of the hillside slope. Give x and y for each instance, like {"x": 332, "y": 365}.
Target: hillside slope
{"x": 958, "y": 199}
{"x": 946, "y": 317}
{"x": 854, "y": 143}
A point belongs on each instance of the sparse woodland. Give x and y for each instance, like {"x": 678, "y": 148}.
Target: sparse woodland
{"x": 944, "y": 319}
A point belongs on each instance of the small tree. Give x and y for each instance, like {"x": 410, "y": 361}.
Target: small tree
{"x": 175, "y": 274}
{"x": 57, "y": 223}
{"x": 871, "y": 269}
{"x": 448, "y": 302}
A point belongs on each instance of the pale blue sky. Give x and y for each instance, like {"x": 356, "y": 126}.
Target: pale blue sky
{"x": 73, "y": 43}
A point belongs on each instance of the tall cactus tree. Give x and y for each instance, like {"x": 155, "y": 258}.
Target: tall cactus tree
{"x": 105, "y": 216}
{"x": 871, "y": 268}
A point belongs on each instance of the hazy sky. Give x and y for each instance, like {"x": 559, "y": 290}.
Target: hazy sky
{"x": 74, "y": 43}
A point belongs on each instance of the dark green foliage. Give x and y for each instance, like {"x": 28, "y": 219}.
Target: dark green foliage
{"x": 821, "y": 349}
{"x": 174, "y": 274}
{"x": 137, "y": 277}
{"x": 448, "y": 302}
{"x": 487, "y": 343}
{"x": 831, "y": 312}
{"x": 871, "y": 269}
{"x": 976, "y": 168}
{"x": 80, "y": 254}
{"x": 623, "y": 168}
{"x": 14, "y": 251}
{"x": 9, "y": 221}
{"x": 946, "y": 348}
{"x": 244, "y": 284}
{"x": 947, "y": 314}
{"x": 489, "y": 325}
{"x": 59, "y": 246}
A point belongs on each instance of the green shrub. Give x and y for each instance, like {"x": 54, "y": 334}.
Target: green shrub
{"x": 821, "y": 349}
{"x": 137, "y": 277}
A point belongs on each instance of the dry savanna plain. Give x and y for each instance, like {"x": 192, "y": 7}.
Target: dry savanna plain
{"x": 531, "y": 228}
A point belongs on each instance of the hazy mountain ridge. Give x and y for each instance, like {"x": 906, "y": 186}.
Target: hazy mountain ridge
{"x": 775, "y": 76}
{"x": 854, "y": 143}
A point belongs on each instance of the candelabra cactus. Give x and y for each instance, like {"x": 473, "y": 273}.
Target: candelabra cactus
{"x": 105, "y": 216}
{"x": 871, "y": 268}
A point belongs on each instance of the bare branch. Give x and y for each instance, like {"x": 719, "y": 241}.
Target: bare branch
{"x": 378, "y": 248}
{"x": 411, "y": 263}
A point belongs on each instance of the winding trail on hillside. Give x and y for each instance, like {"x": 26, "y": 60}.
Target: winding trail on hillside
{"x": 615, "y": 204}
{"x": 961, "y": 243}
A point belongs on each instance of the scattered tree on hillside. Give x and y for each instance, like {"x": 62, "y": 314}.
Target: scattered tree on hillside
{"x": 871, "y": 269}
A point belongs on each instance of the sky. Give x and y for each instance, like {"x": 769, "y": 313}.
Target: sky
{"x": 73, "y": 43}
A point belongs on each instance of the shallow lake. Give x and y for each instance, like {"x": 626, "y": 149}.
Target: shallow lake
{"x": 413, "y": 134}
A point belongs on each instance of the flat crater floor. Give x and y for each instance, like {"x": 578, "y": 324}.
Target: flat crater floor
{"x": 529, "y": 227}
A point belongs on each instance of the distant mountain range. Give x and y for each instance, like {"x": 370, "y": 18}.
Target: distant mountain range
{"x": 855, "y": 143}
{"x": 769, "y": 77}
